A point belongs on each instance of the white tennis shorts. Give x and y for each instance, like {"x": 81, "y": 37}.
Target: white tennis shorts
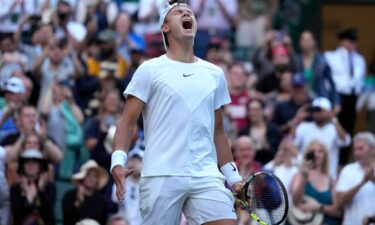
{"x": 201, "y": 199}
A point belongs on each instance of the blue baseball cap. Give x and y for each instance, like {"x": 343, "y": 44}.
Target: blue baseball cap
{"x": 298, "y": 80}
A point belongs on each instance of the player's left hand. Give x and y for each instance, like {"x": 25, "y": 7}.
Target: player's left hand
{"x": 236, "y": 188}
{"x": 119, "y": 174}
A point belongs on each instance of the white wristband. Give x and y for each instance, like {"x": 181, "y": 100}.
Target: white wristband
{"x": 118, "y": 158}
{"x": 230, "y": 171}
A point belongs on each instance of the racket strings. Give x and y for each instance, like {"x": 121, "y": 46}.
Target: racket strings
{"x": 267, "y": 199}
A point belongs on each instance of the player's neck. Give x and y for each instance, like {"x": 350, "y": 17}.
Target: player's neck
{"x": 181, "y": 53}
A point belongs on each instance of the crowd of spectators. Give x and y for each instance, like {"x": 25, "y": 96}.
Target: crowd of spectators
{"x": 65, "y": 63}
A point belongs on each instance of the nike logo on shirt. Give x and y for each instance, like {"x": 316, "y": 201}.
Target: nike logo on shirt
{"x": 234, "y": 168}
{"x": 187, "y": 75}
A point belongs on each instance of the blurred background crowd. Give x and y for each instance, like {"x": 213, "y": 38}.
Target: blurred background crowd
{"x": 303, "y": 112}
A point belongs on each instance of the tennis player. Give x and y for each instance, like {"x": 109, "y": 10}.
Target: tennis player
{"x": 180, "y": 97}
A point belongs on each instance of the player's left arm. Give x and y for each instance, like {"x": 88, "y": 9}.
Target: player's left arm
{"x": 224, "y": 154}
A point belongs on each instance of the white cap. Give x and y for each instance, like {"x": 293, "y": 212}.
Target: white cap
{"x": 322, "y": 102}
{"x": 164, "y": 10}
{"x": 14, "y": 85}
{"x": 32, "y": 154}
{"x": 77, "y": 30}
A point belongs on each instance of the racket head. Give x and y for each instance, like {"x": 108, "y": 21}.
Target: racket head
{"x": 265, "y": 198}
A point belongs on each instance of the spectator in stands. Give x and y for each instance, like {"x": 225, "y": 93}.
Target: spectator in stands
{"x": 366, "y": 100}
{"x": 28, "y": 34}
{"x": 254, "y": 19}
{"x": 325, "y": 127}
{"x": 108, "y": 65}
{"x": 244, "y": 155}
{"x": 126, "y": 39}
{"x": 10, "y": 13}
{"x": 97, "y": 128}
{"x": 14, "y": 97}
{"x": 11, "y": 57}
{"x": 64, "y": 119}
{"x": 348, "y": 72}
{"x": 129, "y": 207}
{"x": 4, "y": 190}
{"x": 117, "y": 219}
{"x": 314, "y": 67}
{"x": 236, "y": 110}
{"x": 276, "y": 52}
{"x": 53, "y": 65}
{"x": 148, "y": 26}
{"x": 314, "y": 180}
{"x": 215, "y": 18}
{"x": 33, "y": 197}
{"x": 282, "y": 93}
{"x": 219, "y": 53}
{"x": 63, "y": 16}
{"x": 287, "y": 115}
{"x": 29, "y": 125}
{"x": 284, "y": 164}
{"x": 266, "y": 136}
{"x": 78, "y": 203}
{"x": 31, "y": 140}
{"x": 355, "y": 186}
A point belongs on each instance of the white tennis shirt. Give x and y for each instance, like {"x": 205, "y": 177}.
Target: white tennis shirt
{"x": 179, "y": 117}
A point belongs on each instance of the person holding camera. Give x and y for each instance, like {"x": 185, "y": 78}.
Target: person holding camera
{"x": 325, "y": 127}
{"x": 313, "y": 180}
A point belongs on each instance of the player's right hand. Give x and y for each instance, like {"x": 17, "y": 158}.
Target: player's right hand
{"x": 119, "y": 175}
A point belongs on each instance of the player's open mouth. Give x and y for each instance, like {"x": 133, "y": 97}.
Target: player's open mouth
{"x": 187, "y": 24}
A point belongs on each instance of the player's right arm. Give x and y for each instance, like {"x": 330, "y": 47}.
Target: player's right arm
{"x": 125, "y": 128}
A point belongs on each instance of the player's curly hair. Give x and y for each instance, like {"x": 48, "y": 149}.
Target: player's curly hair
{"x": 171, "y": 2}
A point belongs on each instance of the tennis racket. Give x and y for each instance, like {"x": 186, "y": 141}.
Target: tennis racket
{"x": 264, "y": 197}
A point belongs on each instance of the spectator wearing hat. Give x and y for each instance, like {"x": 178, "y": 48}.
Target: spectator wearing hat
{"x": 129, "y": 207}
{"x": 14, "y": 97}
{"x": 325, "y": 127}
{"x": 280, "y": 56}
{"x": 348, "y": 71}
{"x": 313, "y": 65}
{"x": 31, "y": 140}
{"x": 314, "y": 180}
{"x": 33, "y": 197}
{"x": 355, "y": 185}
{"x": 85, "y": 201}
{"x": 108, "y": 63}
{"x": 288, "y": 114}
